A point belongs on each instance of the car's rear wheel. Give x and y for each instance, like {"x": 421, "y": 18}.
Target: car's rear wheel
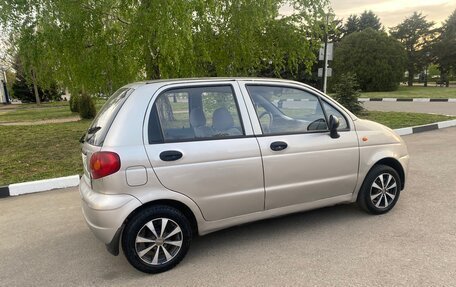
{"x": 380, "y": 190}
{"x": 156, "y": 239}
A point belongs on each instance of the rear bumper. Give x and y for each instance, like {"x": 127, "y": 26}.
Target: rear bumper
{"x": 105, "y": 213}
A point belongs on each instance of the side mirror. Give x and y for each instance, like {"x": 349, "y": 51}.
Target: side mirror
{"x": 333, "y": 125}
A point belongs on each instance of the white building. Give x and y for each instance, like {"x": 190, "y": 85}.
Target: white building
{"x": 3, "y": 98}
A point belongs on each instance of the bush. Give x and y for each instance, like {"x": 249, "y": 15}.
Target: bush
{"x": 74, "y": 103}
{"x": 87, "y": 108}
{"x": 377, "y": 60}
{"x": 347, "y": 93}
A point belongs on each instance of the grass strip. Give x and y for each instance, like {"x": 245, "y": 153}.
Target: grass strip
{"x": 396, "y": 120}
{"x": 415, "y": 92}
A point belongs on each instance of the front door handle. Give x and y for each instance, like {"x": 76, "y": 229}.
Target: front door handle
{"x": 278, "y": 146}
{"x": 170, "y": 155}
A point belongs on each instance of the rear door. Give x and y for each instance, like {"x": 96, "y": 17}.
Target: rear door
{"x": 200, "y": 143}
{"x": 302, "y": 163}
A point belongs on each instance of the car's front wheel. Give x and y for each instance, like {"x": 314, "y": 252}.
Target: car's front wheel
{"x": 380, "y": 190}
{"x": 156, "y": 239}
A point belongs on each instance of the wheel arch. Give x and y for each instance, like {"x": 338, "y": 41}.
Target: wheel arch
{"x": 391, "y": 155}
{"x": 188, "y": 213}
{"x": 396, "y": 165}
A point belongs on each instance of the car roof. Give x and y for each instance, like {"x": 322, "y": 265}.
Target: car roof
{"x": 205, "y": 79}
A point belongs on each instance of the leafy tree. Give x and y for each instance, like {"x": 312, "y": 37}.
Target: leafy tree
{"x": 22, "y": 91}
{"x": 352, "y": 25}
{"x": 367, "y": 19}
{"x": 347, "y": 93}
{"x": 377, "y": 60}
{"x": 97, "y": 46}
{"x": 444, "y": 48}
{"x": 415, "y": 32}
{"x": 25, "y": 91}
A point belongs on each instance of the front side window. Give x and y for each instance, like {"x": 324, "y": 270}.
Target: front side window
{"x": 287, "y": 110}
{"x": 197, "y": 113}
{"x": 330, "y": 110}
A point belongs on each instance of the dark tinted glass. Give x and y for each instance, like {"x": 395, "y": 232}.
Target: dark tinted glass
{"x": 105, "y": 117}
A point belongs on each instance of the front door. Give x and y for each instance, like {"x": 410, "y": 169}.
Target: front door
{"x": 302, "y": 163}
{"x": 201, "y": 144}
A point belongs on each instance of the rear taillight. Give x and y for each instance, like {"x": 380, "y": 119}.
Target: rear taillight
{"x": 104, "y": 163}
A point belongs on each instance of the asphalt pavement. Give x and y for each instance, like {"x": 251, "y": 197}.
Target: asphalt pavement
{"x": 443, "y": 108}
{"x": 44, "y": 240}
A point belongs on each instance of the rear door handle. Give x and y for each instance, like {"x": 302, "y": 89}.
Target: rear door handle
{"x": 278, "y": 146}
{"x": 170, "y": 155}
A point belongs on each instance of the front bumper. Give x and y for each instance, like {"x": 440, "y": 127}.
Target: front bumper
{"x": 404, "y": 161}
{"x": 105, "y": 213}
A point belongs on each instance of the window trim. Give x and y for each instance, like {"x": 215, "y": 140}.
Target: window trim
{"x": 347, "y": 129}
{"x": 156, "y": 122}
{"x": 202, "y": 85}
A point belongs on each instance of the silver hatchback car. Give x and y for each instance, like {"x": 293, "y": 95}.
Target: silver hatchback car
{"x": 166, "y": 160}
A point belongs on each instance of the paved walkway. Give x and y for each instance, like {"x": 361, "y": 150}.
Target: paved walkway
{"x": 42, "y": 122}
{"x": 444, "y": 108}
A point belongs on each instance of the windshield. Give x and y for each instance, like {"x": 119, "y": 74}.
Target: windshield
{"x": 99, "y": 128}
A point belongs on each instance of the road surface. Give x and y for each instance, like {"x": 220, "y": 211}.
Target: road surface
{"x": 45, "y": 242}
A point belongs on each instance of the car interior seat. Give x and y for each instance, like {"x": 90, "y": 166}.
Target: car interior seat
{"x": 223, "y": 124}
{"x": 198, "y": 123}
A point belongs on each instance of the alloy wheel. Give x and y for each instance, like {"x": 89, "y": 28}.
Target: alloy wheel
{"x": 383, "y": 190}
{"x": 159, "y": 241}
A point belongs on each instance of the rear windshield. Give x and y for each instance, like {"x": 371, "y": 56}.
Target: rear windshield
{"x": 99, "y": 128}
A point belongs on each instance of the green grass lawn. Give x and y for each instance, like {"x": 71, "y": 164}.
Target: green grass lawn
{"x": 40, "y": 151}
{"x": 36, "y": 114}
{"x": 45, "y": 111}
{"x": 415, "y": 92}
{"x": 33, "y": 152}
{"x": 397, "y": 120}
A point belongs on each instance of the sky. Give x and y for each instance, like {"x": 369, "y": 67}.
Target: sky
{"x": 392, "y": 12}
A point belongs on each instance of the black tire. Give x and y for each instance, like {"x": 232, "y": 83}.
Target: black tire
{"x": 137, "y": 224}
{"x": 364, "y": 197}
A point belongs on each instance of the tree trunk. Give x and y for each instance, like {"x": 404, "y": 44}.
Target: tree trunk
{"x": 35, "y": 88}
{"x": 410, "y": 77}
{"x": 411, "y": 71}
{"x": 444, "y": 77}
{"x": 152, "y": 69}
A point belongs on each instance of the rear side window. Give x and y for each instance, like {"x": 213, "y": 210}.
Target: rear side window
{"x": 96, "y": 134}
{"x": 194, "y": 113}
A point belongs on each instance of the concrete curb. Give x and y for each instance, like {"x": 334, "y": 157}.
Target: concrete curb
{"x": 420, "y": 100}
{"x": 425, "y": 128}
{"x": 39, "y": 185}
{"x": 73, "y": 180}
